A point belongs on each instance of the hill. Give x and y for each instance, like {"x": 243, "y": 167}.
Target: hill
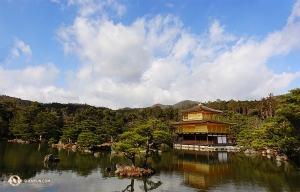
{"x": 179, "y": 105}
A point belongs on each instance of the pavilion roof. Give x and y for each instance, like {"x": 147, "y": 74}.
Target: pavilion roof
{"x": 200, "y": 122}
{"x": 200, "y": 107}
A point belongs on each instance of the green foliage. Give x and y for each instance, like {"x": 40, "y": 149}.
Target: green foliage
{"x": 281, "y": 130}
{"x": 144, "y": 140}
{"x": 22, "y": 122}
{"x": 52, "y": 140}
{"x": 87, "y": 139}
{"x": 3, "y": 127}
{"x": 273, "y": 121}
{"x": 285, "y": 127}
{"x": 72, "y": 131}
{"x": 47, "y": 124}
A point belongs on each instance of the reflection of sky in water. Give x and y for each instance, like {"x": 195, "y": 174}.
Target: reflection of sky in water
{"x": 179, "y": 170}
{"x": 69, "y": 181}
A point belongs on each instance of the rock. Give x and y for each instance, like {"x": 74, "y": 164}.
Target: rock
{"x": 107, "y": 169}
{"x": 247, "y": 151}
{"x": 282, "y": 157}
{"x": 87, "y": 151}
{"x": 48, "y": 158}
{"x": 119, "y": 166}
{"x": 278, "y": 163}
{"x": 278, "y": 158}
{"x": 97, "y": 154}
{"x": 131, "y": 171}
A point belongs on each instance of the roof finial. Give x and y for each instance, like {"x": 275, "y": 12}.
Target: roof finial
{"x": 200, "y": 103}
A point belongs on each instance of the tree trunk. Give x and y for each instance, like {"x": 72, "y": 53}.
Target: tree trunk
{"x": 133, "y": 161}
{"x": 144, "y": 164}
{"x": 131, "y": 157}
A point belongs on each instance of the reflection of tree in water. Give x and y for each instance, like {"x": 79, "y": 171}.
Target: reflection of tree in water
{"x": 51, "y": 165}
{"x": 148, "y": 185}
{"x": 20, "y": 159}
{"x": 129, "y": 187}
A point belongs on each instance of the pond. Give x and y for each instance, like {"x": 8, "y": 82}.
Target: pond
{"x": 177, "y": 170}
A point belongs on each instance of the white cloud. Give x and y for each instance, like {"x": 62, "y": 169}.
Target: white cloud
{"x": 294, "y": 17}
{"x": 156, "y": 60}
{"x": 117, "y": 51}
{"x": 170, "y": 5}
{"x": 32, "y": 75}
{"x": 216, "y": 33}
{"x": 20, "y": 48}
{"x": 46, "y": 94}
{"x": 34, "y": 83}
{"x": 88, "y": 8}
{"x": 153, "y": 60}
{"x": 15, "y": 52}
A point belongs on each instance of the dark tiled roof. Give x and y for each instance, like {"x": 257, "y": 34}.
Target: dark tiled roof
{"x": 200, "y": 122}
{"x": 199, "y": 108}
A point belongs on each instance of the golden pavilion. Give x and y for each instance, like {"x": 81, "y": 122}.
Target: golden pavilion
{"x": 200, "y": 125}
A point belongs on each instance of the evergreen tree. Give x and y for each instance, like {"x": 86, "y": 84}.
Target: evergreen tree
{"x": 144, "y": 141}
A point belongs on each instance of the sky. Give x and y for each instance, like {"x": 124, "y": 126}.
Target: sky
{"x": 136, "y": 53}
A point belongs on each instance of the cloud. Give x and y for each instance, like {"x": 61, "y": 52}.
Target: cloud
{"x": 31, "y": 82}
{"x": 157, "y": 60}
{"x": 40, "y": 75}
{"x": 87, "y": 8}
{"x": 34, "y": 83}
{"x": 294, "y": 17}
{"x": 154, "y": 59}
{"x": 20, "y": 46}
{"x": 170, "y": 5}
{"x": 120, "y": 52}
{"x": 216, "y": 33}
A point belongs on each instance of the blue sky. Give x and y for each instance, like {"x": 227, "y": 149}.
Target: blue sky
{"x": 134, "y": 53}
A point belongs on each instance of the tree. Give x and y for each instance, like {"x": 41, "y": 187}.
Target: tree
{"x": 47, "y": 124}
{"x": 3, "y": 128}
{"x": 87, "y": 139}
{"x": 22, "y": 122}
{"x": 70, "y": 132}
{"x": 130, "y": 145}
{"x": 144, "y": 141}
{"x": 73, "y": 130}
{"x": 6, "y": 113}
{"x": 285, "y": 126}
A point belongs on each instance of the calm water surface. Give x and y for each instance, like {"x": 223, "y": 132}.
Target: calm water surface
{"x": 177, "y": 170}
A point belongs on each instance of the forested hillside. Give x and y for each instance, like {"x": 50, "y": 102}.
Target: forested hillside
{"x": 272, "y": 121}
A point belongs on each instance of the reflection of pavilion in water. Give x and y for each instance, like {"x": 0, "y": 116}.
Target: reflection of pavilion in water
{"x": 202, "y": 169}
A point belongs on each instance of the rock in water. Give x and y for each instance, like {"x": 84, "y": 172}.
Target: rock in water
{"x": 132, "y": 171}
{"x": 48, "y": 158}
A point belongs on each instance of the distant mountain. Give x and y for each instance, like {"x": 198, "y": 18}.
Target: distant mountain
{"x": 74, "y": 106}
{"x": 21, "y": 102}
{"x": 179, "y": 105}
